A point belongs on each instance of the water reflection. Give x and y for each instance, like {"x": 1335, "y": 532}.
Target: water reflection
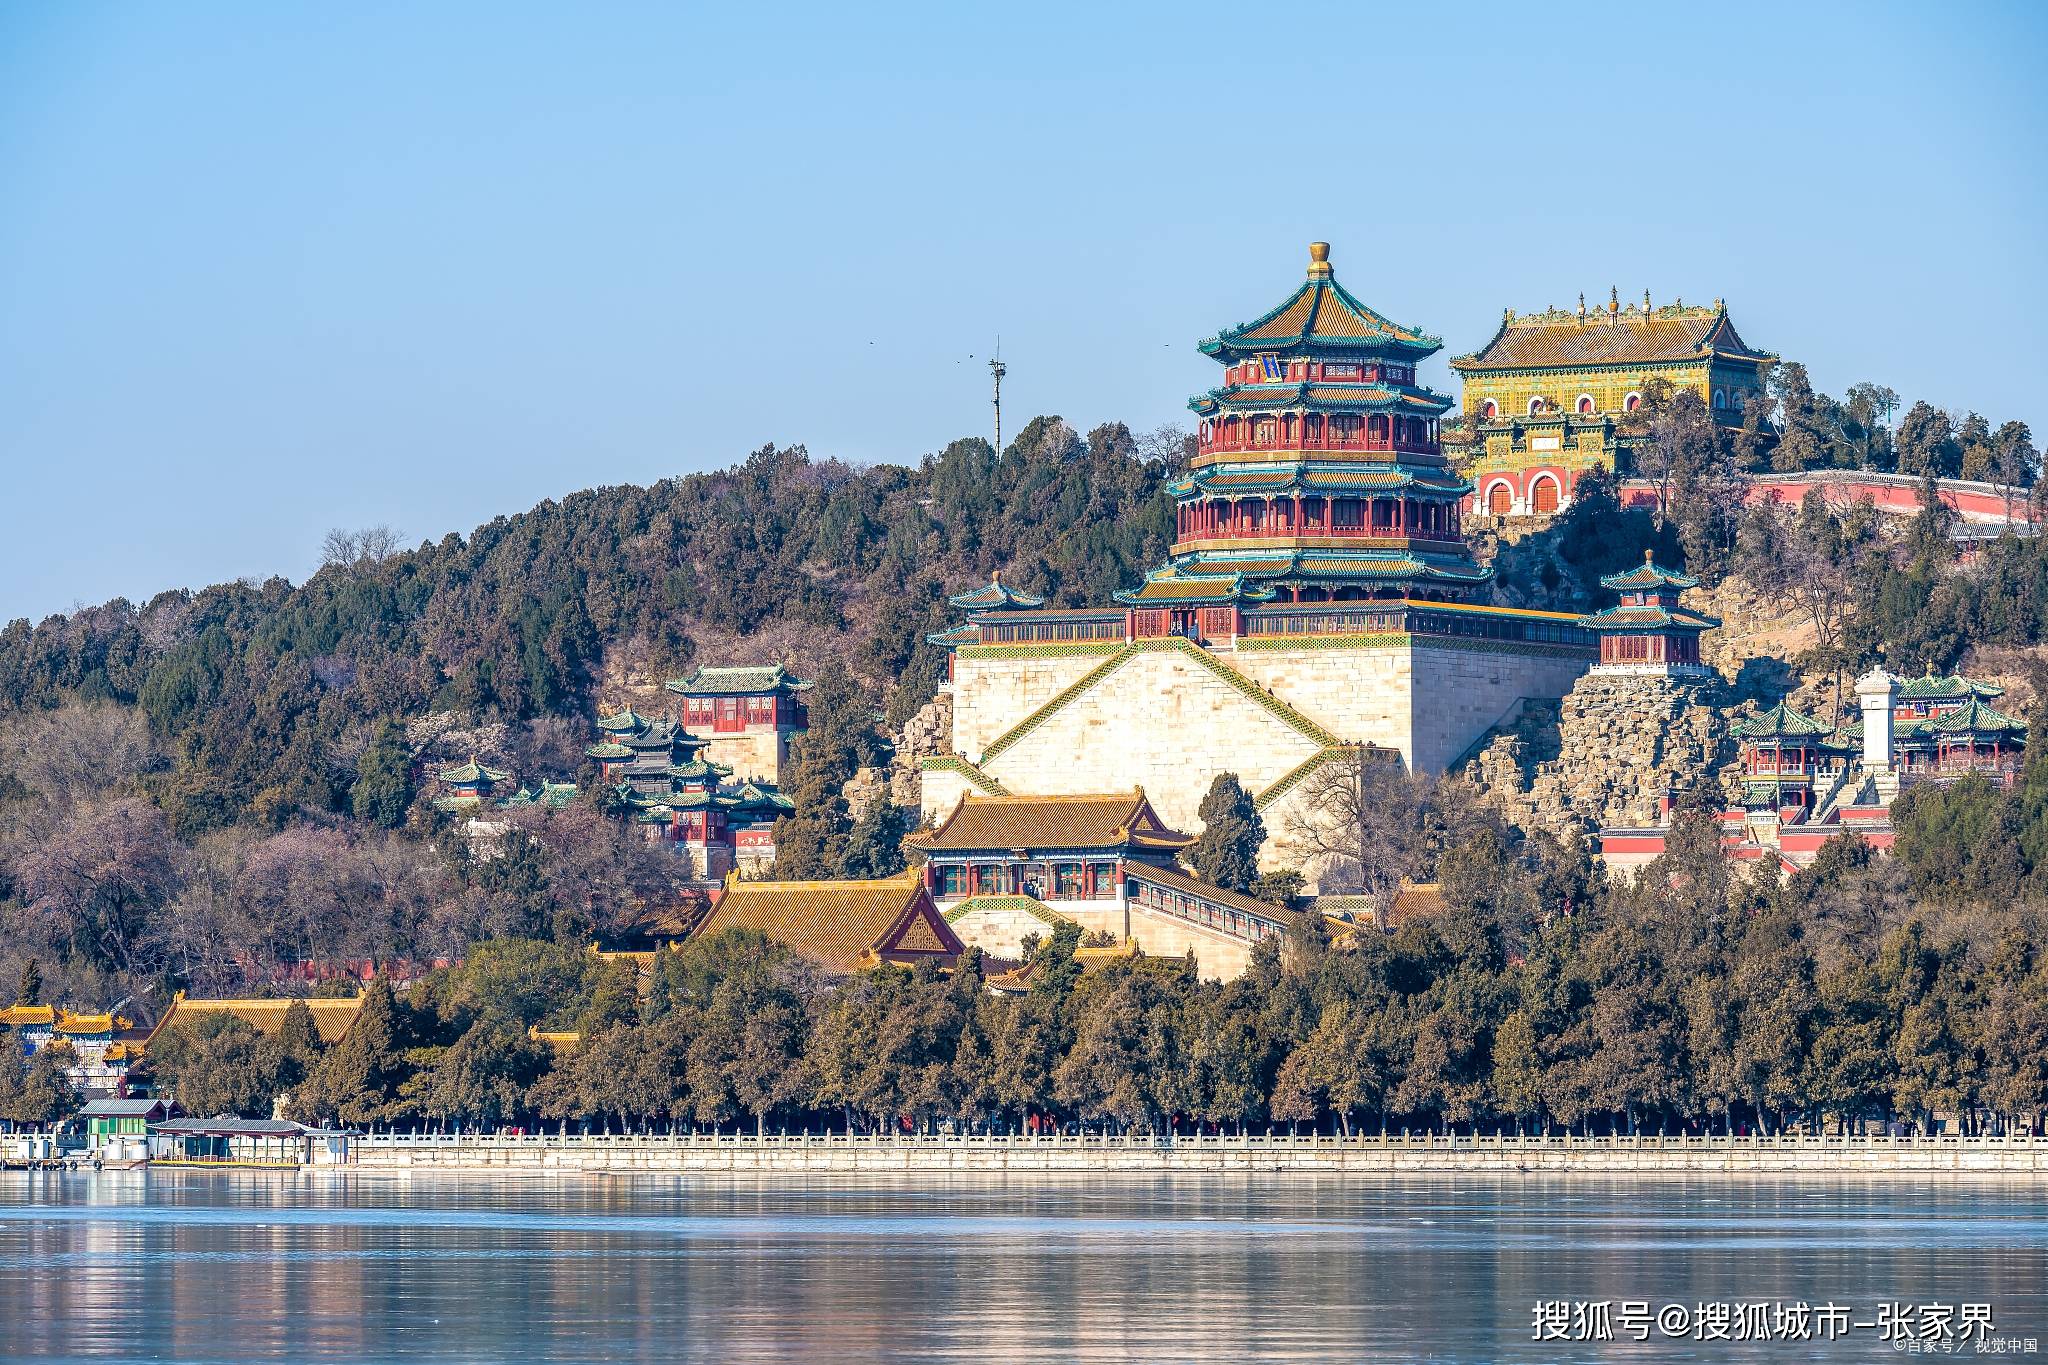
{"x": 211, "y": 1266}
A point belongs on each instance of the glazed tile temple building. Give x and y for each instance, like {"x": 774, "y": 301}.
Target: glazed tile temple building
{"x": 1648, "y": 631}
{"x": 746, "y": 716}
{"x": 1005, "y": 868}
{"x": 1318, "y": 596}
{"x": 1802, "y": 781}
{"x": 660, "y": 778}
{"x": 843, "y": 926}
{"x": 1546, "y": 398}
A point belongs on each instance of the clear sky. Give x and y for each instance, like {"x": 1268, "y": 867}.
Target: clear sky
{"x": 269, "y": 269}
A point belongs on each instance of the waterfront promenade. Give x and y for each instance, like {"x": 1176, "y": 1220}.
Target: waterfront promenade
{"x": 839, "y": 1153}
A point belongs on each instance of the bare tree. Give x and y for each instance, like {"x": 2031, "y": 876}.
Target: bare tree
{"x": 79, "y": 752}
{"x": 1169, "y": 445}
{"x": 1813, "y": 558}
{"x": 1360, "y": 816}
{"x": 352, "y": 550}
{"x": 98, "y": 874}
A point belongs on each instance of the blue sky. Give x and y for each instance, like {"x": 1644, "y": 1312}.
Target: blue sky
{"x": 265, "y": 270}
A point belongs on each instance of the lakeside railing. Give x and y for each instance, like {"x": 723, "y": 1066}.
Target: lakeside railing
{"x": 1228, "y": 1141}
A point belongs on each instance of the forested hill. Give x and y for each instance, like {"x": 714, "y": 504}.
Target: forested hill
{"x": 264, "y": 696}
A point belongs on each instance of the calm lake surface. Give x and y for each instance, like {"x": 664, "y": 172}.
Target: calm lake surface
{"x": 196, "y": 1266}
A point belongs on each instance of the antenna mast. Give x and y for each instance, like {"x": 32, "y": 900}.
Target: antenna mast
{"x": 997, "y": 370}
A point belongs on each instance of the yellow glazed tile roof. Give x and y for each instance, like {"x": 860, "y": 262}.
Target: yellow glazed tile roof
{"x": 332, "y": 1017}
{"x": 1106, "y": 821}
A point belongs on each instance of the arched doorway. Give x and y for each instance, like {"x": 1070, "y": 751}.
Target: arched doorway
{"x": 1543, "y": 495}
{"x": 1500, "y": 500}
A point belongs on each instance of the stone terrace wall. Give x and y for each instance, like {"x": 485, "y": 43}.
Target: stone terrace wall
{"x": 1607, "y": 754}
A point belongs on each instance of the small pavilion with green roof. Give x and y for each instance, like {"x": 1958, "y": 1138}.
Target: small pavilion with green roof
{"x": 468, "y": 785}
{"x": 1783, "y": 752}
{"x": 1647, "y": 631}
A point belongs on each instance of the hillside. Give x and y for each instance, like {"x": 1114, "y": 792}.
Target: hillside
{"x": 219, "y": 789}
{"x": 264, "y": 697}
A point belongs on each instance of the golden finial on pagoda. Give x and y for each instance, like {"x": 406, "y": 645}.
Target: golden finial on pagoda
{"x": 1613, "y": 301}
{"x": 1318, "y": 260}
{"x": 1582, "y": 305}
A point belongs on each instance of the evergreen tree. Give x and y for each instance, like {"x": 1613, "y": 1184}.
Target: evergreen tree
{"x": 289, "y": 1055}
{"x": 46, "y": 1093}
{"x": 30, "y": 991}
{"x": 357, "y": 1081}
{"x": 811, "y": 843}
{"x": 383, "y": 785}
{"x": 1227, "y": 853}
{"x": 13, "y": 1072}
{"x": 874, "y": 847}
{"x": 485, "y": 1076}
{"x": 215, "y": 1064}
{"x": 1926, "y": 443}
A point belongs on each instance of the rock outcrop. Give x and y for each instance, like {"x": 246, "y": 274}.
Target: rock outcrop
{"x": 1607, "y": 754}
{"x": 927, "y": 734}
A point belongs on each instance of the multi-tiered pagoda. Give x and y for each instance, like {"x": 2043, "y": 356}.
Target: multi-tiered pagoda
{"x": 1317, "y": 475}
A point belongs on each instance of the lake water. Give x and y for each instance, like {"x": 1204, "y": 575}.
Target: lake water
{"x": 194, "y": 1266}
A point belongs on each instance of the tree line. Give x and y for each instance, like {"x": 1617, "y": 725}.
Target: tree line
{"x": 1540, "y": 997}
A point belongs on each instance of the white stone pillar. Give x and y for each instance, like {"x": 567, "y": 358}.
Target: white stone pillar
{"x": 1877, "y": 692}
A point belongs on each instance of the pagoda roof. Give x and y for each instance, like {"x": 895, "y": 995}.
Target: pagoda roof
{"x": 1619, "y": 336}
{"x": 1173, "y": 584}
{"x": 1781, "y": 722}
{"x": 1321, "y": 315}
{"x": 751, "y": 680}
{"x": 1312, "y": 477}
{"x": 1649, "y": 574}
{"x": 1975, "y": 718}
{"x": 627, "y": 721}
{"x": 841, "y": 925}
{"x": 28, "y": 1016}
{"x": 1363, "y": 565}
{"x": 761, "y": 796}
{"x": 996, "y": 595}
{"x": 552, "y": 795}
{"x": 1347, "y": 397}
{"x": 607, "y": 751}
{"x": 966, "y": 633}
{"x": 87, "y": 1025}
{"x": 660, "y": 736}
{"x": 471, "y": 771}
{"x": 1946, "y": 687}
{"x": 1111, "y": 820}
{"x": 1258, "y": 563}
{"x": 1648, "y": 618}
{"x": 1390, "y": 564}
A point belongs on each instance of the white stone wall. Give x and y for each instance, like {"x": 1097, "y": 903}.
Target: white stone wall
{"x": 753, "y": 755}
{"x": 1162, "y": 722}
{"x": 1361, "y": 695}
{"x": 941, "y": 791}
{"x": 1859, "y": 1158}
{"x": 1459, "y": 694}
{"x": 992, "y": 694}
{"x": 1001, "y": 931}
